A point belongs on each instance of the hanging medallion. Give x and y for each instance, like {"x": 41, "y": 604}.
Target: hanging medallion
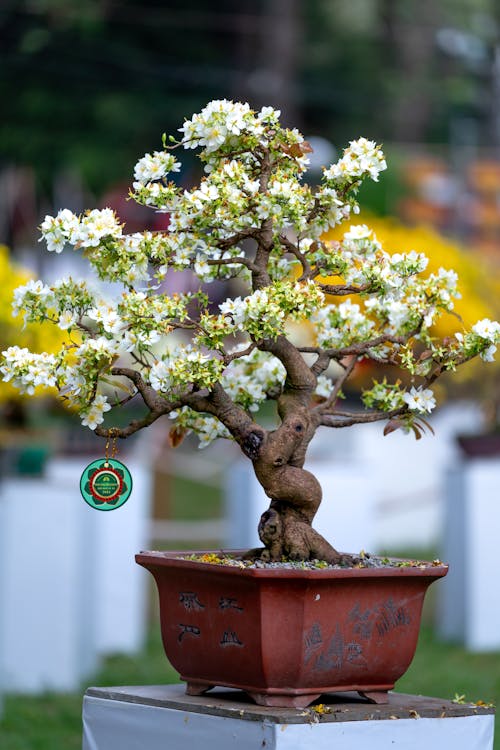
{"x": 106, "y": 484}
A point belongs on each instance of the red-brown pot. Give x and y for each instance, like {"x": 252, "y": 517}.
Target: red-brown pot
{"x": 286, "y": 636}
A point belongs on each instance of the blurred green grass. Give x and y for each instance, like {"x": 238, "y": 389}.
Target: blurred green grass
{"x": 53, "y": 721}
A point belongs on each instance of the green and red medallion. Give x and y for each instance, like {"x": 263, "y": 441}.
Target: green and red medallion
{"x": 106, "y": 484}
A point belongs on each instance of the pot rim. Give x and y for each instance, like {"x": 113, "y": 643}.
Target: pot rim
{"x": 176, "y": 559}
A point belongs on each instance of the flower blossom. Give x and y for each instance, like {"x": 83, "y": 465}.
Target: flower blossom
{"x": 94, "y": 416}
{"x": 155, "y": 166}
{"x": 420, "y": 400}
{"x": 362, "y": 157}
{"x": 487, "y": 329}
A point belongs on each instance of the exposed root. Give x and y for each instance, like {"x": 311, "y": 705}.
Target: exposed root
{"x": 286, "y": 535}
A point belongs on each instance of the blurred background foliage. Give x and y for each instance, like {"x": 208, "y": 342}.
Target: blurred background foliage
{"x": 38, "y": 338}
{"x": 92, "y": 84}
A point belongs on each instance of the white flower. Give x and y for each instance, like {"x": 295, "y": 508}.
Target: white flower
{"x": 268, "y": 113}
{"x": 99, "y": 347}
{"x": 487, "y": 329}
{"x": 488, "y": 355}
{"x": 349, "y": 311}
{"x": 201, "y": 267}
{"x": 155, "y": 166}
{"x": 60, "y": 229}
{"x": 234, "y": 307}
{"x": 27, "y": 370}
{"x": 98, "y": 224}
{"x": 324, "y": 386}
{"x": 363, "y": 157}
{"x": 94, "y": 416}
{"x": 67, "y": 319}
{"x": 358, "y": 232}
{"x": 420, "y": 400}
{"x": 160, "y": 376}
{"x": 32, "y": 288}
{"x": 397, "y": 313}
{"x": 216, "y": 122}
{"x": 107, "y": 317}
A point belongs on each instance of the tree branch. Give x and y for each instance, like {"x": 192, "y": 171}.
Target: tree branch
{"x": 240, "y": 260}
{"x": 228, "y": 358}
{"x": 151, "y": 398}
{"x": 249, "y": 435}
{"x": 330, "y": 401}
{"x": 307, "y": 271}
{"x": 340, "y": 290}
{"x": 134, "y": 426}
{"x": 361, "y": 348}
{"x": 347, "y": 419}
{"x": 228, "y": 242}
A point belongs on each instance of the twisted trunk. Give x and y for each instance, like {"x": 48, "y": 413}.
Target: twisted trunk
{"x": 285, "y": 529}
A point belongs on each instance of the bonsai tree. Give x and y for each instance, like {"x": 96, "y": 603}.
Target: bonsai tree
{"x": 253, "y": 222}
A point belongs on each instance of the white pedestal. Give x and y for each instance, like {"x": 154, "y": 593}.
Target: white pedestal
{"x": 71, "y": 590}
{"x": 47, "y": 608}
{"x": 470, "y": 595}
{"x": 164, "y": 718}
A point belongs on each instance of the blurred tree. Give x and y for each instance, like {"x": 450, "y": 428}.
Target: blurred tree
{"x": 87, "y": 82}
{"x": 93, "y": 81}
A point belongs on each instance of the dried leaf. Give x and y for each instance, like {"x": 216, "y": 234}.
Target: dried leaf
{"x": 392, "y": 425}
{"x": 176, "y": 436}
{"x": 417, "y": 431}
{"x": 426, "y": 423}
{"x": 299, "y": 149}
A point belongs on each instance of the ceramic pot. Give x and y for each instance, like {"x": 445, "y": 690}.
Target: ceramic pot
{"x": 285, "y": 636}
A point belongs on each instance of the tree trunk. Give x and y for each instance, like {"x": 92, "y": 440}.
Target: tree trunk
{"x": 285, "y": 529}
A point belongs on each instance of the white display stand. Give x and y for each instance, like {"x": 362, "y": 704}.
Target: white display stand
{"x": 71, "y": 590}
{"x": 164, "y": 718}
{"x": 470, "y": 596}
{"x": 48, "y": 592}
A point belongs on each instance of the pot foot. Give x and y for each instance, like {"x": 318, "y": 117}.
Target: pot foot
{"x": 284, "y": 701}
{"x": 380, "y": 696}
{"x": 197, "y": 688}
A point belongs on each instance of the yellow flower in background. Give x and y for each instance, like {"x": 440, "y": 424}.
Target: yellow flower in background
{"x": 38, "y": 338}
